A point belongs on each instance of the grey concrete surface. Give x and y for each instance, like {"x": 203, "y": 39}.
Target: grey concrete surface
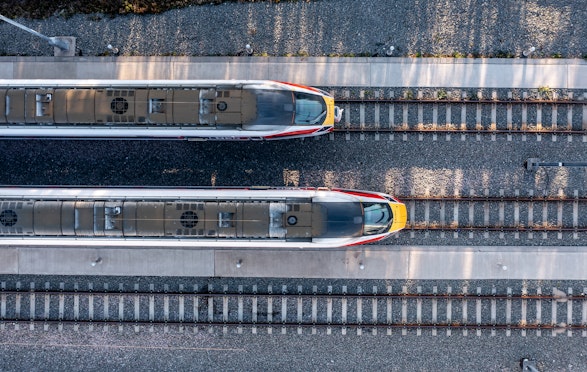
{"x": 113, "y": 261}
{"x": 318, "y": 71}
{"x": 371, "y": 262}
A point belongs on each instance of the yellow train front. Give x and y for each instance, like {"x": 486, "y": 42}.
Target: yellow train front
{"x": 166, "y": 109}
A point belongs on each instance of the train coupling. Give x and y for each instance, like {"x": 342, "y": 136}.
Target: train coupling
{"x": 337, "y": 114}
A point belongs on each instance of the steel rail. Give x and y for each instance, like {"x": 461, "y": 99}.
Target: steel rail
{"x": 544, "y": 130}
{"x": 291, "y": 324}
{"x": 497, "y": 228}
{"x": 539, "y": 227}
{"x": 492, "y": 199}
{"x": 215, "y": 315}
{"x": 437, "y": 296}
{"x": 460, "y": 101}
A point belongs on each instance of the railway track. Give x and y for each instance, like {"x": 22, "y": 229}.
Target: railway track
{"x": 503, "y": 214}
{"x": 386, "y": 310}
{"x": 442, "y": 113}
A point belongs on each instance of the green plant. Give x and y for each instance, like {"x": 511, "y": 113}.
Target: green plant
{"x": 458, "y": 55}
{"x": 503, "y": 54}
{"x": 545, "y": 92}
{"x": 441, "y": 94}
{"x": 557, "y": 55}
{"x": 126, "y": 7}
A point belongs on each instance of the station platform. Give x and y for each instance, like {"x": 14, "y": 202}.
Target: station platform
{"x": 372, "y": 262}
{"x": 316, "y": 71}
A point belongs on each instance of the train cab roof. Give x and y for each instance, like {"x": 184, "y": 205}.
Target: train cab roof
{"x": 273, "y": 107}
{"x": 286, "y": 108}
{"x": 353, "y": 219}
{"x": 340, "y": 219}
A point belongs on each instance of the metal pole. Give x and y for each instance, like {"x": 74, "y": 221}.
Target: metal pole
{"x": 529, "y": 365}
{"x": 532, "y": 164}
{"x": 562, "y": 164}
{"x": 53, "y": 41}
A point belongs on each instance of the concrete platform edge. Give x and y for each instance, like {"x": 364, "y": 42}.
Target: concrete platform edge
{"x": 414, "y": 262}
{"x": 319, "y": 71}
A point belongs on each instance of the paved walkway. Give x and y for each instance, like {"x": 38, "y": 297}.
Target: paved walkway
{"x": 410, "y": 262}
{"x": 318, "y": 71}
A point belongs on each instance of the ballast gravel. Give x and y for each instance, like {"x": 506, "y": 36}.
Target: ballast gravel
{"x": 499, "y": 28}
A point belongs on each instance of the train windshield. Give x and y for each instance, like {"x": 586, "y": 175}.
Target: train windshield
{"x": 378, "y": 218}
{"x": 310, "y": 109}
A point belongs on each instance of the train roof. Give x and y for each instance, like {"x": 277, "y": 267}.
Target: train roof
{"x": 104, "y": 83}
{"x": 197, "y": 216}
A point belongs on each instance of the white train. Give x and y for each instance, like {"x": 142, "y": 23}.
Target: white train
{"x": 164, "y": 109}
{"x": 196, "y": 217}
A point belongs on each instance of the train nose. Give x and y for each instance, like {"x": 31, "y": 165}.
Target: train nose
{"x": 400, "y": 216}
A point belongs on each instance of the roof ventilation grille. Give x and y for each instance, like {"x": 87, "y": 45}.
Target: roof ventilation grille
{"x": 8, "y": 218}
{"x": 188, "y": 219}
{"x": 119, "y": 105}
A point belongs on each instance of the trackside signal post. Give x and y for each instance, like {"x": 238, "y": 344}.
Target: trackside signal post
{"x": 62, "y": 45}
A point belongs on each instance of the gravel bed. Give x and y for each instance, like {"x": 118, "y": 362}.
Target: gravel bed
{"x": 399, "y": 167}
{"x": 500, "y": 28}
{"x": 157, "y": 348}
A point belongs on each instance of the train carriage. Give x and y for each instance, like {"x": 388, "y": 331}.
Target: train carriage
{"x": 165, "y": 109}
{"x": 196, "y": 217}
